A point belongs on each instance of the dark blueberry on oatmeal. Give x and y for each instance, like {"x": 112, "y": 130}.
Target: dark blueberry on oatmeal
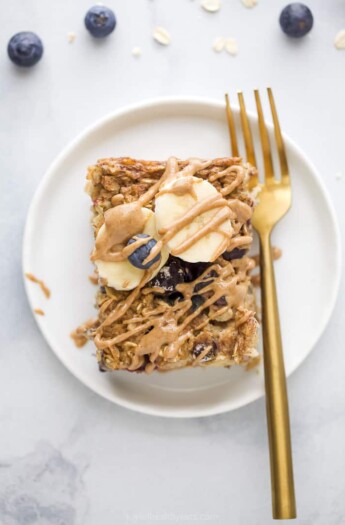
{"x": 172, "y": 274}
{"x": 202, "y": 284}
{"x": 139, "y": 255}
{"x": 236, "y": 253}
{"x": 172, "y": 298}
{"x": 206, "y": 281}
{"x": 221, "y": 301}
{"x": 197, "y": 269}
{"x": 197, "y": 301}
{"x": 201, "y": 347}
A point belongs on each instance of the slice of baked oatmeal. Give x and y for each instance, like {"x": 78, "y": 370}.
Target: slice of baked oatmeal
{"x": 171, "y": 243}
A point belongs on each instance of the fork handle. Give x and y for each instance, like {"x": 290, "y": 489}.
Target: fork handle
{"x": 282, "y": 483}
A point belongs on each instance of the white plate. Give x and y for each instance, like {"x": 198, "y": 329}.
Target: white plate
{"x": 58, "y": 241}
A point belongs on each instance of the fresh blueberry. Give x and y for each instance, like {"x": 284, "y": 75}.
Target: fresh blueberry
{"x": 140, "y": 254}
{"x": 296, "y": 20}
{"x": 236, "y": 253}
{"x": 25, "y": 49}
{"x": 200, "y": 347}
{"x": 100, "y": 21}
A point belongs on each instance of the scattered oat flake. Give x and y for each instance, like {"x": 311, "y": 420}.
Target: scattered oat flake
{"x": 38, "y": 311}
{"x": 136, "y": 52}
{"x": 162, "y": 36}
{"x": 249, "y": 3}
{"x": 71, "y": 37}
{"x": 41, "y": 284}
{"x": 339, "y": 40}
{"x": 231, "y": 46}
{"x": 211, "y": 5}
{"x": 218, "y": 44}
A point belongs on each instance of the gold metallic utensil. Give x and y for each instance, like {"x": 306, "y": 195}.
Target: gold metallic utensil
{"x": 274, "y": 201}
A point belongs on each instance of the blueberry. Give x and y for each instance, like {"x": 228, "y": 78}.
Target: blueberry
{"x": 236, "y": 253}
{"x": 100, "y": 21}
{"x": 296, "y": 20}
{"x": 172, "y": 298}
{"x": 139, "y": 255}
{"x": 206, "y": 280}
{"x": 197, "y": 269}
{"x": 25, "y": 49}
{"x": 221, "y": 301}
{"x": 197, "y": 301}
{"x": 173, "y": 273}
{"x": 201, "y": 285}
{"x": 200, "y": 347}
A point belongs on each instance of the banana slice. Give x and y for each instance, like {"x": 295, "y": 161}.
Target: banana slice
{"x": 123, "y": 275}
{"x": 172, "y": 206}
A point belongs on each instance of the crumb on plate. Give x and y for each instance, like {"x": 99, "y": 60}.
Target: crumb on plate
{"x": 93, "y": 278}
{"x": 41, "y": 284}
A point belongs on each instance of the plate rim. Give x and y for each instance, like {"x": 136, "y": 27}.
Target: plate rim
{"x": 148, "y": 103}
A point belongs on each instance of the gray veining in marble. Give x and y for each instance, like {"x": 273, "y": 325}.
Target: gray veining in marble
{"x": 42, "y": 487}
{"x": 67, "y": 456}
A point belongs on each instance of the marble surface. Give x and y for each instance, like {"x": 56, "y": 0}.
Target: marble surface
{"x": 67, "y": 456}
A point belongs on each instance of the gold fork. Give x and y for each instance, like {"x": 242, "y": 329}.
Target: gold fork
{"x": 274, "y": 202}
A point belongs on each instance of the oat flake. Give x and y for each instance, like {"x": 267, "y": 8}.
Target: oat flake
{"x": 249, "y": 3}
{"x": 339, "y": 40}
{"x": 162, "y": 36}
{"x": 211, "y": 5}
{"x": 136, "y": 52}
{"x": 231, "y": 46}
{"x": 71, "y": 37}
{"x": 219, "y": 44}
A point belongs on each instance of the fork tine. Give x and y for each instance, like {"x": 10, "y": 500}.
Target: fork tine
{"x": 247, "y": 134}
{"x": 232, "y": 129}
{"x": 265, "y": 143}
{"x": 284, "y": 168}
{"x": 248, "y": 138}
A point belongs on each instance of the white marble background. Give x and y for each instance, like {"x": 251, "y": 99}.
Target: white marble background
{"x": 67, "y": 456}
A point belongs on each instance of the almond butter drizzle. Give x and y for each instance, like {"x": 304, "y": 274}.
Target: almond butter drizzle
{"x": 217, "y": 220}
{"x": 165, "y": 335}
